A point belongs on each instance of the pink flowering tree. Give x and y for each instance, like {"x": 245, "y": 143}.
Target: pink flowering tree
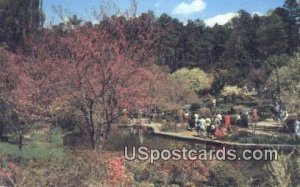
{"x": 94, "y": 71}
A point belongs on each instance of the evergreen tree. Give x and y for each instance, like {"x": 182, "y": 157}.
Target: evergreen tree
{"x": 18, "y": 18}
{"x": 293, "y": 9}
{"x": 241, "y": 48}
{"x": 272, "y": 36}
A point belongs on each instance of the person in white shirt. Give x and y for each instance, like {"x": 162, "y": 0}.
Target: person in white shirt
{"x": 214, "y": 102}
{"x": 208, "y": 121}
{"x": 196, "y": 117}
{"x": 219, "y": 119}
{"x": 202, "y": 124}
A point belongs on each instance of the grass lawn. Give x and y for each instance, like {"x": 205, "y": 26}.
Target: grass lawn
{"x": 37, "y": 147}
{"x": 33, "y": 150}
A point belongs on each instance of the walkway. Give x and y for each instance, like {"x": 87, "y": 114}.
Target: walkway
{"x": 192, "y": 136}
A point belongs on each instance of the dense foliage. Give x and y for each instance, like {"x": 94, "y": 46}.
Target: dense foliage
{"x": 19, "y": 19}
{"x": 287, "y": 78}
{"x": 87, "y": 75}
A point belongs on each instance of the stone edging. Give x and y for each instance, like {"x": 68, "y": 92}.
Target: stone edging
{"x": 285, "y": 147}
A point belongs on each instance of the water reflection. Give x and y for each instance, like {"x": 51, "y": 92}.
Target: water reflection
{"x": 140, "y": 137}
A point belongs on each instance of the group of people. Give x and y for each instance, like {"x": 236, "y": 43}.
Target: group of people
{"x": 209, "y": 125}
{"x": 221, "y": 121}
{"x": 279, "y": 113}
{"x": 242, "y": 119}
{"x": 297, "y": 126}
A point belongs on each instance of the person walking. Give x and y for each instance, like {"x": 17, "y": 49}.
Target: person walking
{"x": 227, "y": 121}
{"x": 214, "y": 102}
{"x": 196, "y": 117}
{"x": 208, "y": 121}
{"x": 277, "y": 111}
{"x": 238, "y": 120}
{"x": 140, "y": 115}
{"x": 297, "y": 127}
{"x": 202, "y": 124}
{"x": 244, "y": 118}
{"x": 254, "y": 119}
{"x": 211, "y": 129}
{"x": 191, "y": 122}
{"x": 219, "y": 118}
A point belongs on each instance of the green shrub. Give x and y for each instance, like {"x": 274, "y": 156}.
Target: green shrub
{"x": 224, "y": 174}
{"x": 247, "y": 137}
{"x": 278, "y": 172}
{"x": 57, "y": 137}
{"x": 143, "y": 172}
{"x": 295, "y": 171}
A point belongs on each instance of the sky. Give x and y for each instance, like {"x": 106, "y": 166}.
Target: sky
{"x": 211, "y": 11}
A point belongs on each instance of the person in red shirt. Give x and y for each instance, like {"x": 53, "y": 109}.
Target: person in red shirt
{"x": 227, "y": 119}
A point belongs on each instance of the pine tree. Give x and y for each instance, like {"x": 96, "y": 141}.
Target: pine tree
{"x": 293, "y": 9}
{"x": 19, "y": 18}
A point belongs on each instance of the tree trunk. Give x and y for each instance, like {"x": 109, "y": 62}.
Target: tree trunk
{"x": 20, "y": 141}
{"x": 92, "y": 126}
{"x": 108, "y": 129}
{"x": 92, "y": 139}
{"x": 1, "y": 130}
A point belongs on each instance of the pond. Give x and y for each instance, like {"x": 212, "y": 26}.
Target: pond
{"x": 129, "y": 136}
{"x": 137, "y": 137}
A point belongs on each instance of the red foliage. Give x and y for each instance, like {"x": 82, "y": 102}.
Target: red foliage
{"x": 116, "y": 171}
{"x": 94, "y": 71}
{"x": 11, "y": 173}
{"x": 8, "y": 75}
{"x": 194, "y": 169}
